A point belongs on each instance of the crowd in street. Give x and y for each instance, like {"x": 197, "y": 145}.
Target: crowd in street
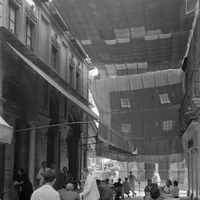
{"x": 153, "y": 191}
{"x": 55, "y": 184}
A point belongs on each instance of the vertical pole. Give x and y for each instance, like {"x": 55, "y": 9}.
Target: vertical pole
{"x": 188, "y": 160}
{"x": 31, "y": 162}
{"x": 2, "y": 146}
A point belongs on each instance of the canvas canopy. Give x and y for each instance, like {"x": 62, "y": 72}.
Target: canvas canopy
{"x": 144, "y": 109}
{"x": 138, "y": 47}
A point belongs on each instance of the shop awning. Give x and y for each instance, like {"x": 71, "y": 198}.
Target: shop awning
{"x": 6, "y": 132}
{"x": 54, "y": 83}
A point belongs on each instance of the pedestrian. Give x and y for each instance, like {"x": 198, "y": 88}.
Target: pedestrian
{"x": 106, "y": 191}
{"x": 47, "y": 192}
{"x": 90, "y": 189}
{"x": 168, "y": 187}
{"x": 175, "y": 190}
{"x": 23, "y": 185}
{"x": 69, "y": 193}
{"x": 154, "y": 194}
{"x": 118, "y": 189}
{"x": 126, "y": 187}
{"x": 147, "y": 189}
{"x": 41, "y": 172}
{"x": 156, "y": 178}
{"x": 132, "y": 180}
{"x": 59, "y": 180}
{"x": 67, "y": 177}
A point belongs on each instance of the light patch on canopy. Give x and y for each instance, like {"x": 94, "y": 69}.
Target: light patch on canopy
{"x": 154, "y": 32}
{"x": 123, "y": 40}
{"x": 120, "y": 66}
{"x": 138, "y": 32}
{"x": 86, "y": 42}
{"x": 131, "y": 65}
{"x": 164, "y": 36}
{"x": 151, "y": 37}
{"x": 111, "y": 42}
{"x": 122, "y": 33}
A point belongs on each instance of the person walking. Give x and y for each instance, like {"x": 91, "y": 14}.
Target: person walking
{"x": 41, "y": 172}
{"x": 47, "y": 192}
{"x": 90, "y": 189}
{"x": 132, "y": 180}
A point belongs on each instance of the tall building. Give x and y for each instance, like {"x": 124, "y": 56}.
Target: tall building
{"x": 43, "y": 83}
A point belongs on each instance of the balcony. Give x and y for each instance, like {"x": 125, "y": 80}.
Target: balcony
{"x": 190, "y": 108}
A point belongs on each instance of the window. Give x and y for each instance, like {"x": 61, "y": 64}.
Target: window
{"x": 125, "y": 103}
{"x": 12, "y": 18}
{"x": 126, "y": 128}
{"x": 29, "y": 33}
{"x": 164, "y": 98}
{"x": 54, "y": 53}
{"x": 71, "y": 74}
{"x": 167, "y": 125}
{"x": 77, "y": 80}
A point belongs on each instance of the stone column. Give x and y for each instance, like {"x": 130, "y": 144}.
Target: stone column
{"x": 31, "y": 161}
{"x": 2, "y": 146}
{"x": 189, "y": 169}
{"x": 196, "y": 172}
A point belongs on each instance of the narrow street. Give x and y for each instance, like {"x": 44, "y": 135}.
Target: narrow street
{"x": 99, "y": 91}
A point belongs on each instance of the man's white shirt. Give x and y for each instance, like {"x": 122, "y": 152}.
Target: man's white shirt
{"x": 40, "y": 176}
{"x": 45, "y": 192}
{"x": 90, "y": 190}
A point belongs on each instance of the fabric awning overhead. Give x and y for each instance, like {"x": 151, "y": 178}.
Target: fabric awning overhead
{"x": 138, "y": 47}
{"x": 144, "y": 109}
{"x": 129, "y": 37}
{"x": 6, "y": 132}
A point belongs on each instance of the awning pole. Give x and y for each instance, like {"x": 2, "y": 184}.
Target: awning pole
{"x": 54, "y": 125}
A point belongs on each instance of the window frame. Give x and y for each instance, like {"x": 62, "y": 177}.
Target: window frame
{"x": 12, "y": 6}
{"x": 71, "y": 75}
{"x": 31, "y": 24}
{"x": 164, "y": 98}
{"x": 54, "y": 51}
{"x": 125, "y": 102}
{"x": 126, "y": 128}
{"x": 167, "y": 125}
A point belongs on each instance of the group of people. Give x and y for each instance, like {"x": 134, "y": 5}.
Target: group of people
{"x": 54, "y": 184}
{"x": 109, "y": 189}
{"x": 62, "y": 177}
{"x": 50, "y": 180}
{"x": 68, "y": 192}
{"x": 153, "y": 191}
{"x": 24, "y": 188}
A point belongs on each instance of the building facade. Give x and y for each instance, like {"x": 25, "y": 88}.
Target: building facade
{"x": 41, "y": 65}
{"x": 189, "y": 112}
